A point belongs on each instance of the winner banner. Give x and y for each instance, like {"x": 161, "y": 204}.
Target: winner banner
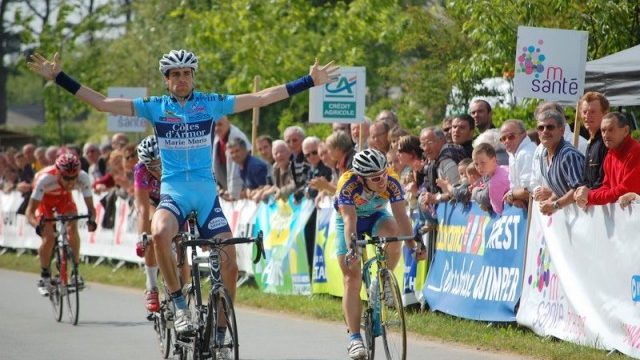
{"x": 478, "y": 266}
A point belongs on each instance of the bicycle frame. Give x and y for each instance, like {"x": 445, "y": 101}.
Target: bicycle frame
{"x": 204, "y": 314}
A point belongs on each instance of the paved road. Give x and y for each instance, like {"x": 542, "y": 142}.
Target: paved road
{"x": 112, "y": 326}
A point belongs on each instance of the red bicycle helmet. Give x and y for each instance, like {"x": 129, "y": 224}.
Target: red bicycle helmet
{"x": 68, "y": 164}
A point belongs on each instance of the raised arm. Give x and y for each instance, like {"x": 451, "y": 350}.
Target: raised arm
{"x": 51, "y": 70}
{"x": 317, "y": 76}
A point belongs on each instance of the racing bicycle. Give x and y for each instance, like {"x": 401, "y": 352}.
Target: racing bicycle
{"x": 218, "y": 312}
{"x": 65, "y": 286}
{"x": 384, "y": 313}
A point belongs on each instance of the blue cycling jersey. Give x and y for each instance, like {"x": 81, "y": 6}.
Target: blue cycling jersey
{"x": 184, "y": 132}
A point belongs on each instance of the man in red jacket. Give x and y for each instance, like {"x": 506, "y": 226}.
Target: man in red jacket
{"x": 621, "y": 164}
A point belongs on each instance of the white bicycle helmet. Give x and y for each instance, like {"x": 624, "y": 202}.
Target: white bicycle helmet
{"x": 148, "y": 150}
{"x": 369, "y": 162}
{"x": 176, "y": 59}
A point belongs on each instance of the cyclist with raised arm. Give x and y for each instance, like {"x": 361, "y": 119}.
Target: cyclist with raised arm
{"x": 183, "y": 121}
{"x": 52, "y": 194}
{"x": 361, "y": 200}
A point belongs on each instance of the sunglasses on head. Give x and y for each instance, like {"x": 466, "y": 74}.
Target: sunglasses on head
{"x": 314, "y": 152}
{"x": 549, "y": 127}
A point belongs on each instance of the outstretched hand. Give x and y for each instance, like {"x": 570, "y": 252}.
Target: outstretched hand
{"x": 325, "y": 74}
{"x": 48, "y": 69}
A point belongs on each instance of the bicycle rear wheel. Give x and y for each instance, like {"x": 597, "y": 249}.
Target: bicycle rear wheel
{"x": 221, "y": 301}
{"x": 72, "y": 290}
{"x": 394, "y": 335}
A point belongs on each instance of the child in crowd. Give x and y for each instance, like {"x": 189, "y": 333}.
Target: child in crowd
{"x": 495, "y": 179}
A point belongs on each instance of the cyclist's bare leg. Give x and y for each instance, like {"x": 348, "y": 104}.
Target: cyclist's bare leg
{"x": 164, "y": 227}
{"x": 46, "y": 247}
{"x": 351, "y": 303}
{"x": 388, "y": 228}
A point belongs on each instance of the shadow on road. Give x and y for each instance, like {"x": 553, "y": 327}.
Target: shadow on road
{"x": 114, "y": 323}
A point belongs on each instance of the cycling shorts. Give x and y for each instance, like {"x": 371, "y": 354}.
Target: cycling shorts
{"x": 365, "y": 225}
{"x": 63, "y": 204}
{"x": 180, "y": 198}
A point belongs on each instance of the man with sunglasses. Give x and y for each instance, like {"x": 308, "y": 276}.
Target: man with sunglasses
{"x": 560, "y": 164}
{"x": 361, "y": 204}
{"x": 520, "y": 149}
{"x": 52, "y": 194}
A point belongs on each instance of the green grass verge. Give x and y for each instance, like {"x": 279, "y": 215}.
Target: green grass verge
{"x": 435, "y": 326}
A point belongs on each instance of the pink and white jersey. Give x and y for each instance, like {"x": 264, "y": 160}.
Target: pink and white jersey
{"x": 46, "y": 183}
{"x": 142, "y": 179}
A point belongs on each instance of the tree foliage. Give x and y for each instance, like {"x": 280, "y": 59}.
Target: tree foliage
{"x": 415, "y": 52}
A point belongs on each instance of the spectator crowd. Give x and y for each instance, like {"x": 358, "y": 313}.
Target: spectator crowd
{"x": 465, "y": 158}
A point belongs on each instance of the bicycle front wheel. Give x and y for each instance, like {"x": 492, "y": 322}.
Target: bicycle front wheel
{"x": 223, "y": 317}
{"x": 394, "y": 335}
{"x": 55, "y": 290}
{"x": 73, "y": 290}
{"x": 367, "y": 324}
{"x": 55, "y": 296}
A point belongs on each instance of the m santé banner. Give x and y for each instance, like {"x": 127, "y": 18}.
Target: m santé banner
{"x": 550, "y": 63}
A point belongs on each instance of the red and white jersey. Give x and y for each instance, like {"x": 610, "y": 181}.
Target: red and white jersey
{"x": 47, "y": 183}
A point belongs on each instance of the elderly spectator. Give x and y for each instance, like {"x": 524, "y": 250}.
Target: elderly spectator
{"x": 341, "y": 151}
{"x": 480, "y": 110}
{"x": 492, "y": 137}
{"x": 227, "y": 172}
{"x": 253, "y": 171}
{"x": 293, "y": 136}
{"x": 119, "y": 140}
{"x": 29, "y": 152}
{"x": 593, "y": 106}
{"x": 51, "y": 154}
{"x": 520, "y": 149}
{"x": 283, "y": 183}
{"x": 263, "y": 142}
{"x": 379, "y": 136}
{"x": 320, "y": 176}
{"x": 355, "y": 134}
{"x": 462, "y": 127}
{"x": 560, "y": 164}
{"x": 41, "y": 159}
{"x": 443, "y": 163}
{"x": 495, "y": 178}
{"x": 621, "y": 164}
{"x": 91, "y": 154}
{"x": 389, "y": 117}
{"x": 568, "y": 132}
{"x": 446, "y": 128}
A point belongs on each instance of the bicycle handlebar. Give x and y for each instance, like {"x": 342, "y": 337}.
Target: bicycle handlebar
{"x": 217, "y": 242}
{"x": 379, "y": 240}
{"x": 65, "y": 218}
